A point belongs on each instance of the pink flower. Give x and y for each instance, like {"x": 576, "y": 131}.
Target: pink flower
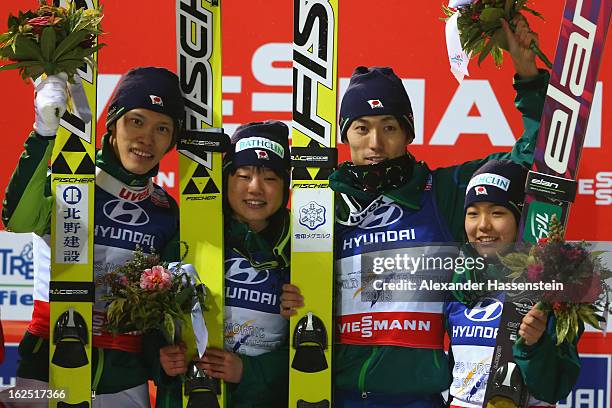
{"x": 534, "y": 272}
{"x": 39, "y": 23}
{"x": 155, "y": 278}
{"x": 123, "y": 280}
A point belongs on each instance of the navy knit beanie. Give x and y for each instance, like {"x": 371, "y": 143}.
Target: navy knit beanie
{"x": 375, "y": 91}
{"x": 152, "y": 88}
{"x": 262, "y": 144}
{"x": 501, "y": 182}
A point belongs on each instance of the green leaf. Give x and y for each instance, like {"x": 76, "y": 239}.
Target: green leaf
{"x": 26, "y": 49}
{"x": 491, "y": 15}
{"x": 20, "y": 64}
{"x": 562, "y": 328}
{"x": 69, "y": 43}
{"x": 169, "y": 328}
{"x": 586, "y": 313}
{"x": 498, "y": 56}
{"x": 515, "y": 261}
{"x": 508, "y": 7}
{"x": 532, "y": 11}
{"x": 47, "y": 42}
{"x": 485, "y": 51}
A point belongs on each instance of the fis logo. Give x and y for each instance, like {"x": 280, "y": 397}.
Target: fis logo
{"x": 375, "y": 103}
{"x": 262, "y": 155}
{"x": 313, "y": 60}
{"x": 156, "y": 100}
{"x": 565, "y": 120}
{"x": 481, "y": 190}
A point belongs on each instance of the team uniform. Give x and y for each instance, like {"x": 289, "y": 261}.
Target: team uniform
{"x": 256, "y": 267}
{"x": 473, "y": 318}
{"x": 401, "y": 203}
{"x": 549, "y": 371}
{"x": 130, "y": 211}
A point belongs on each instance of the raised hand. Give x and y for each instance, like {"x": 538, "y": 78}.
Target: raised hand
{"x": 519, "y": 42}
{"x": 50, "y": 104}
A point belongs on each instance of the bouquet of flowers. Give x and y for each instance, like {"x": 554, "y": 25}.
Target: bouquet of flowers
{"x": 480, "y": 30}
{"x": 145, "y": 295}
{"x": 50, "y": 40}
{"x": 585, "y": 294}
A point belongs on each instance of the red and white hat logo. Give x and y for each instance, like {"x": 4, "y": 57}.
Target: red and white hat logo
{"x": 156, "y": 100}
{"x": 480, "y": 190}
{"x": 262, "y": 154}
{"x": 375, "y": 103}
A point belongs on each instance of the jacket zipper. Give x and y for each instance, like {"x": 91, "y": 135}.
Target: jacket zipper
{"x": 363, "y": 371}
{"x": 98, "y": 374}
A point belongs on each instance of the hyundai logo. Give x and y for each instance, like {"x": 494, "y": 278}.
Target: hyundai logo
{"x": 382, "y": 217}
{"x": 240, "y": 271}
{"x": 125, "y": 213}
{"x": 486, "y": 310}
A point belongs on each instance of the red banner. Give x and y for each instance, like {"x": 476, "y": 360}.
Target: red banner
{"x": 454, "y": 123}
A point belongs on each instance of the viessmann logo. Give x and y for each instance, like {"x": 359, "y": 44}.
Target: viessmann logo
{"x": 125, "y": 213}
{"x": 240, "y": 271}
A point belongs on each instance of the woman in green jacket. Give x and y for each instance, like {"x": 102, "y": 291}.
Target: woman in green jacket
{"x": 254, "y": 361}
{"x": 493, "y": 205}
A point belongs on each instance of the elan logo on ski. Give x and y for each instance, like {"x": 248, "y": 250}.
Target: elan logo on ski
{"x": 156, "y": 100}
{"x": 375, "y": 103}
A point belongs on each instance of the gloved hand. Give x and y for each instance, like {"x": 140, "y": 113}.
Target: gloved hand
{"x": 50, "y": 104}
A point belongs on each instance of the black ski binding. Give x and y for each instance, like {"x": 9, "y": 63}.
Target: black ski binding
{"x": 201, "y": 388}
{"x": 321, "y": 404}
{"x": 70, "y": 337}
{"x": 310, "y": 341}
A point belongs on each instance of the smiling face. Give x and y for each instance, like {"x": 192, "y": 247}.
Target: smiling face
{"x": 373, "y": 139}
{"x": 490, "y": 227}
{"x": 254, "y": 194}
{"x": 140, "y": 138}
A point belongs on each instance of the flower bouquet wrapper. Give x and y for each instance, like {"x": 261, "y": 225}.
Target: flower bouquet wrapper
{"x": 193, "y": 331}
{"x": 473, "y": 29}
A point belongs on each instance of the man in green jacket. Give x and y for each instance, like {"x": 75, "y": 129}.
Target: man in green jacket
{"x": 387, "y": 200}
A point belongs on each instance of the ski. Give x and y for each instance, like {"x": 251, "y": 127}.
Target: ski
{"x": 551, "y": 183}
{"x": 314, "y": 157}
{"x": 71, "y": 287}
{"x": 198, "y": 25}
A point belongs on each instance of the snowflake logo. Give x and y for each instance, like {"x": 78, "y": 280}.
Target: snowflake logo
{"x": 312, "y": 215}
